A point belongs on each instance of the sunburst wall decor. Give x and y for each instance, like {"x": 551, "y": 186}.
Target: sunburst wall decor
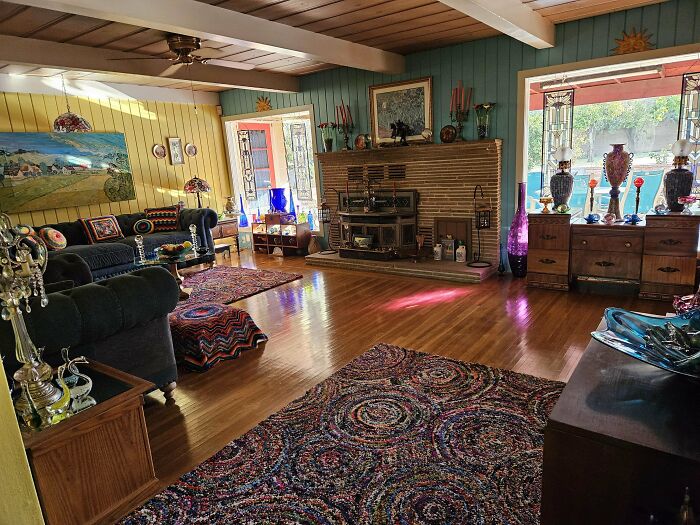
{"x": 633, "y": 42}
{"x": 263, "y": 104}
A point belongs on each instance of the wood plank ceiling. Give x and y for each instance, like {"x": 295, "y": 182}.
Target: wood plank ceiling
{"x": 402, "y": 26}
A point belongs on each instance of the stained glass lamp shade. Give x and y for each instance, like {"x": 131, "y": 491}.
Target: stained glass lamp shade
{"x": 198, "y": 186}
{"x": 70, "y": 122}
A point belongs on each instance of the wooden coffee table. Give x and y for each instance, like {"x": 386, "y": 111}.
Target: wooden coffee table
{"x": 96, "y": 465}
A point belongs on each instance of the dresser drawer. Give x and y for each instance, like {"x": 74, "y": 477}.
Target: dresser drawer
{"x": 614, "y": 265}
{"x": 670, "y": 270}
{"x": 668, "y": 241}
{"x": 549, "y": 236}
{"x": 548, "y": 261}
{"x": 605, "y": 242}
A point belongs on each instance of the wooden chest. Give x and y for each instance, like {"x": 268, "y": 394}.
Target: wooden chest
{"x": 548, "y": 252}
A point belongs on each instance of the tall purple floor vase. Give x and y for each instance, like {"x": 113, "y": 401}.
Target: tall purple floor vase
{"x": 517, "y": 237}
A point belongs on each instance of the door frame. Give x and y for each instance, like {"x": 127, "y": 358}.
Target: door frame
{"x": 234, "y": 162}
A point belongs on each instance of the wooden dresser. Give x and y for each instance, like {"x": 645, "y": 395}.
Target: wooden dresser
{"x": 657, "y": 256}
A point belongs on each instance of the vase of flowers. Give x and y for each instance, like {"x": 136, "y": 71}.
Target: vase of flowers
{"x": 327, "y": 135}
{"x": 482, "y": 119}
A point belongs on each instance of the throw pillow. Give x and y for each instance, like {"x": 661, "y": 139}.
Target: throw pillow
{"x": 53, "y": 239}
{"x": 23, "y": 229}
{"x": 101, "y": 229}
{"x": 144, "y": 226}
{"x": 164, "y": 219}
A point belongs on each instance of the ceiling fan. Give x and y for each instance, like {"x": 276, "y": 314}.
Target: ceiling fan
{"x": 183, "y": 46}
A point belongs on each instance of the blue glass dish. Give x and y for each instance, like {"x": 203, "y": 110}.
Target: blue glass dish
{"x": 626, "y": 333}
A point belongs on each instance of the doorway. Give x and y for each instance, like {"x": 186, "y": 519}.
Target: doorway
{"x": 273, "y": 149}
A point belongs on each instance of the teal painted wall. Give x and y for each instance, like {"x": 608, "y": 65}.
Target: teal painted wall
{"x": 490, "y": 66}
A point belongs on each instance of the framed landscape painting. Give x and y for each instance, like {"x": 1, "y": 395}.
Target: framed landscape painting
{"x": 39, "y": 171}
{"x": 409, "y": 101}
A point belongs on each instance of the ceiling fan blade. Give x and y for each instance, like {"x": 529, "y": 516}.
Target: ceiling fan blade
{"x": 227, "y": 63}
{"x": 142, "y": 58}
{"x": 170, "y": 70}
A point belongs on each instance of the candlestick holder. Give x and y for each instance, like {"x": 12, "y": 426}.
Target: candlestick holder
{"x": 140, "y": 248}
{"x": 592, "y": 218}
{"x": 635, "y": 218}
{"x": 458, "y": 116}
{"x": 346, "y": 130}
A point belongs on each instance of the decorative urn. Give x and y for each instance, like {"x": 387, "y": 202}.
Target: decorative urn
{"x": 616, "y": 167}
{"x": 562, "y": 183}
{"x": 679, "y": 181}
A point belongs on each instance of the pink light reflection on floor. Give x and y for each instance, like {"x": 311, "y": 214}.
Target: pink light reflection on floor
{"x": 417, "y": 300}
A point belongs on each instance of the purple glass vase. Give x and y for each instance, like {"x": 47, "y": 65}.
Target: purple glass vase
{"x": 517, "y": 237}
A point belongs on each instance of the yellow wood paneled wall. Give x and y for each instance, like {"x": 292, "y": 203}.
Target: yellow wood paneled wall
{"x": 144, "y": 124}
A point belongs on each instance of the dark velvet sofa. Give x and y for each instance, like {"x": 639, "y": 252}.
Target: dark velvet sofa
{"x": 121, "y": 322}
{"x": 113, "y": 258}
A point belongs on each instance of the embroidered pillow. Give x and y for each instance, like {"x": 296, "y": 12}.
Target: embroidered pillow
{"x": 23, "y": 229}
{"x": 164, "y": 219}
{"x": 143, "y": 227}
{"x": 102, "y": 229}
{"x": 53, "y": 239}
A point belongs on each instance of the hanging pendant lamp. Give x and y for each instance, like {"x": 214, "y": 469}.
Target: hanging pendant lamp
{"x": 70, "y": 122}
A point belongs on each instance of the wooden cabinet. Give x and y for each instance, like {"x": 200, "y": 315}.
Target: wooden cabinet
{"x": 225, "y": 228}
{"x": 619, "y": 444}
{"x": 657, "y": 256}
{"x": 275, "y": 231}
{"x": 670, "y": 256}
{"x": 548, "y": 257}
{"x": 95, "y": 465}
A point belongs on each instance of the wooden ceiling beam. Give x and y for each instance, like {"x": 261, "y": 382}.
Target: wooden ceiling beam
{"x": 511, "y": 17}
{"x": 42, "y": 53}
{"x": 189, "y": 17}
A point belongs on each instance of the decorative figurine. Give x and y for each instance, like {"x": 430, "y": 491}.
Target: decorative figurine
{"x": 546, "y": 201}
{"x": 592, "y": 218}
{"x": 679, "y": 181}
{"x": 687, "y": 202}
{"x": 562, "y": 209}
{"x": 562, "y": 183}
{"x": 635, "y": 218}
{"x": 79, "y": 384}
{"x": 616, "y": 167}
{"x": 400, "y": 130}
{"x": 609, "y": 219}
{"x": 139, "y": 247}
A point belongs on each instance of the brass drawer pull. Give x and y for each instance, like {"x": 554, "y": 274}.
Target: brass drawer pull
{"x": 628, "y": 244}
{"x": 584, "y": 242}
{"x": 604, "y": 264}
{"x": 670, "y": 242}
{"x": 547, "y": 261}
{"x": 668, "y": 269}
{"x": 547, "y": 237}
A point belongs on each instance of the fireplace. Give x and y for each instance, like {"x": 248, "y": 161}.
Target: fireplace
{"x": 378, "y": 224}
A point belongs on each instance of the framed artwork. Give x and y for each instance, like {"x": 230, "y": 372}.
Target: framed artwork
{"x": 39, "y": 171}
{"x": 176, "y": 154}
{"x": 409, "y": 101}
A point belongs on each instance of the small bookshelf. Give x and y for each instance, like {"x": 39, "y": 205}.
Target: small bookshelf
{"x": 278, "y": 230}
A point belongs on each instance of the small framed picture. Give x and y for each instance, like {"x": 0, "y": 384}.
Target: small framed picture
{"x": 176, "y": 154}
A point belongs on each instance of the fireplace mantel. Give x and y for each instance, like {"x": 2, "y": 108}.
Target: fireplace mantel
{"x": 443, "y": 174}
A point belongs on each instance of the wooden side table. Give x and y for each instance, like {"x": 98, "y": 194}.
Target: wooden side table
{"x": 225, "y": 228}
{"x": 621, "y": 444}
{"x": 95, "y": 465}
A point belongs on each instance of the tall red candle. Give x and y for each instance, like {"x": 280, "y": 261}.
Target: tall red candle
{"x": 350, "y": 115}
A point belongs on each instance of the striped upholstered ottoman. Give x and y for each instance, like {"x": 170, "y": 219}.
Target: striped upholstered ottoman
{"x": 206, "y": 333}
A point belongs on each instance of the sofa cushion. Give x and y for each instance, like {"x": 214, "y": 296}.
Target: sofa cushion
{"x": 53, "y": 239}
{"x": 144, "y": 227}
{"x": 156, "y": 240}
{"x": 103, "y": 255}
{"x": 165, "y": 219}
{"x": 102, "y": 229}
{"x": 73, "y": 231}
{"x": 127, "y": 220}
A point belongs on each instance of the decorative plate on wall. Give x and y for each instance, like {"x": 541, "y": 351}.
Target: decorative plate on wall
{"x": 190, "y": 149}
{"x": 159, "y": 151}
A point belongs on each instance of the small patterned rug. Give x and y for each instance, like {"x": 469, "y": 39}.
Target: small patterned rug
{"x": 395, "y": 437}
{"x": 227, "y": 284}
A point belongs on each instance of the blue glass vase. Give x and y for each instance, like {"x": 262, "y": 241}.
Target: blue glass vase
{"x": 292, "y": 211}
{"x": 243, "y": 220}
{"x": 278, "y": 202}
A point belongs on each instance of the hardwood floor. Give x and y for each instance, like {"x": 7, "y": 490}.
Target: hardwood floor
{"x": 321, "y": 322}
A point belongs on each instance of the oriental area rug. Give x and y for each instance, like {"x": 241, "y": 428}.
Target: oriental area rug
{"x": 395, "y": 437}
{"x": 227, "y": 284}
